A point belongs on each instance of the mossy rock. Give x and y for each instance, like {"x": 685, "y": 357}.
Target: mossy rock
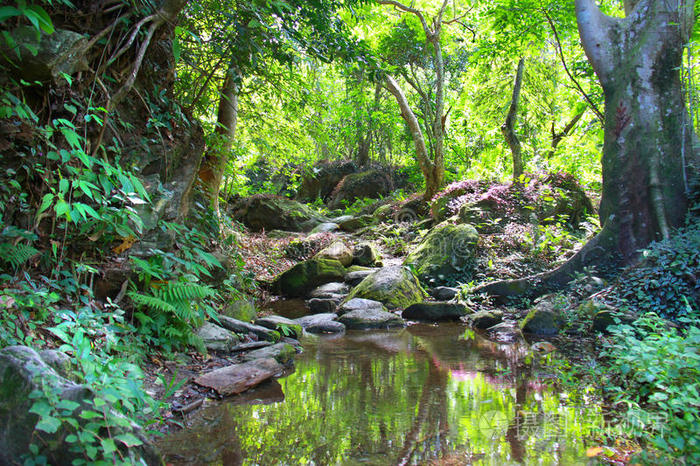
{"x": 264, "y": 212}
{"x": 241, "y": 309}
{"x": 357, "y": 223}
{"x": 445, "y": 255}
{"x": 395, "y": 287}
{"x": 298, "y": 281}
{"x": 366, "y": 254}
{"x": 541, "y": 322}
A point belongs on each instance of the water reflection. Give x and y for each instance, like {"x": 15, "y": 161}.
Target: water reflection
{"x": 423, "y": 395}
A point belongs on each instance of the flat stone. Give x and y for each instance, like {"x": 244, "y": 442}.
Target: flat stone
{"x": 321, "y": 323}
{"x": 251, "y": 346}
{"x": 323, "y": 306}
{"x": 485, "y": 319}
{"x": 330, "y": 290}
{"x": 360, "y": 304}
{"x": 280, "y": 352}
{"x": 284, "y": 326}
{"x": 443, "y": 293}
{"x": 216, "y": 338}
{"x": 435, "y": 312}
{"x": 238, "y": 378}
{"x": 354, "y": 278}
{"x": 238, "y": 326}
{"x": 325, "y": 227}
{"x": 370, "y": 319}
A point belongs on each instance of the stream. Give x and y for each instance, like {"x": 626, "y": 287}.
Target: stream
{"x": 426, "y": 394}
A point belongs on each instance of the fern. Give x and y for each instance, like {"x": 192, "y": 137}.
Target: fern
{"x": 16, "y": 254}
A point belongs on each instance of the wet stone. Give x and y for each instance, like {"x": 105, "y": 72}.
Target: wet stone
{"x": 485, "y": 319}
{"x": 443, "y": 293}
{"x": 321, "y": 323}
{"x": 284, "y": 326}
{"x": 370, "y": 319}
{"x": 238, "y": 378}
{"x": 280, "y": 352}
{"x": 239, "y": 326}
{"x": 435, "y": 312}
{"x": 323, "y": 306}
{"x": 330, "y": 290}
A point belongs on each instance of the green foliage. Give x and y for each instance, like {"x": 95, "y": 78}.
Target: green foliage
{"x": 665, "y": 282}
{"x": 654, "y": 370}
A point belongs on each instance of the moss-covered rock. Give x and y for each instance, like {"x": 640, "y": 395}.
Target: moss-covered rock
{"x": 541, "y": 321}
{"x": 241, "y": 309}
{"x": 368, "y": 184}
{"x": 305, "y": 276}
{"x": 366, "y": 254}
{"x": 265, "y": 212}
{"x": 395, "y": 287}
{"x": 356, "y": 223}
{"x": 445, "y": 255}
{"x": 485, "y": 319}
{"x": 435, "y": 311}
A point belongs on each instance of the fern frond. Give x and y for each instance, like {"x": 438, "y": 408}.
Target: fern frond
{"x": 152, "y": 302}
{"x": 16, "y": 254}
{"x": 185, "y": 291}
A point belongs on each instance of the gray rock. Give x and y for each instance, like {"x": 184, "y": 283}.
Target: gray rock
{"x": 286, "y": 327}
{"x": 323, "y": 306}
{"x": 443, "y": 293}
{"x": 505, "y": 332}
{"x": 238, "y": 326}
{"x": 332, "y": 290}
{"x": 435, "y": 311}
{"x": 238, "y": 378}
{"x": 337, "y": 250}
{"x": 342, "y": 218}
{"x": 360, "y": 304}
{"x": 485, "y": 319}
{"x": 356, "y": 277}
{"x": 280, "y": 352}
{"x": 305, "y": 276}
{"x": 370, "y": 319}
{"x": 366, "y": 254}
{"x": 23, "y": 372}
{"x": 58, "y": 360}
{"x": 321, "y": 323}
{"x": 357, "y": 223}
{"x": 216, "y": 338}
{"x": 325, "y": 227}
{"x": 263, "y": 212}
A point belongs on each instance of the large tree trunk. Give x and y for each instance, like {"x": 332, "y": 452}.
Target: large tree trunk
{"x": 648, "y": 141}
{"x": 508, "y": 128}
{"x": 432, "y": 173}
{"x": 214, "y": 164}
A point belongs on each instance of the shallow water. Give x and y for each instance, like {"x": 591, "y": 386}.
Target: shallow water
{"x": 423, "y": 395}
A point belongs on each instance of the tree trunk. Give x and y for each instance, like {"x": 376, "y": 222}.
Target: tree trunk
{"x": 647, "y": 135}
{"x": 508, "y": 128}
{"x": 558, "y": 137}
{"x": 212, "y": 169}
{"x": 433, "y": 174}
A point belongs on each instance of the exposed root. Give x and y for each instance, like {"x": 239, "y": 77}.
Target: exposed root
{"x": 599, "y": 251}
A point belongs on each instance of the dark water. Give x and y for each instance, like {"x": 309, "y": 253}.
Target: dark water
{"x": 422, "y": 395}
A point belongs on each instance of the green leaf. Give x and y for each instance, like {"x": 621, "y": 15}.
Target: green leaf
{"x": 45, "y": 202}
{"x": 108, "y": 446}
{"x": 8, "y": 12}
{"x": 48, "y": 424}
{"x": 41, "y": 16}
{"x": 128, "y": 439}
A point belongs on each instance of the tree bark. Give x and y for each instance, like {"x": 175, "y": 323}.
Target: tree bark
{"x": 508, "y": 127}
{"x": 215, "y": 160}
{"x": 647, "y": 135}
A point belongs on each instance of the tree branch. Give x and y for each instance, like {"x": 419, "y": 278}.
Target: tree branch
{"x": 594, "y": 107}
{"x": 407, "y": 9}
{"x": 593, "y": 27}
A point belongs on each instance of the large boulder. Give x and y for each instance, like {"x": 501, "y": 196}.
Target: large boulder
{"x": 435, "y": 311}
{"x": 337, "y": 250}
{"x": 445, "y": 255}
{"x": 543, "y": 322}
{"x": 264, "y": 212}
{"x": 23, "y": 371}
{"x": 319, "y": 181}
{"x": 371, "y": 184}
{"x": 394, "y": 286}
{"x": 370, "y": 319}
{"x": 360, "y": 304}
{"x": 298, "y": 281}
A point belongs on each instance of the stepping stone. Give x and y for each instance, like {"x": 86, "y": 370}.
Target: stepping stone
{"x": 238, "y": 378}
{"x": 280, "y": 352}
{"x": 485, "y": 319}
{"x": 360, "y": 304}
{"x": 370, "y": 319}
{"x": 216, "y": 338}
{"x": 435, "y": 312}
{"x": 321, "y": 323}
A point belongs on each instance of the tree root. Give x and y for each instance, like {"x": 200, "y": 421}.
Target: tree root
{"x": 600, "y": 252}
